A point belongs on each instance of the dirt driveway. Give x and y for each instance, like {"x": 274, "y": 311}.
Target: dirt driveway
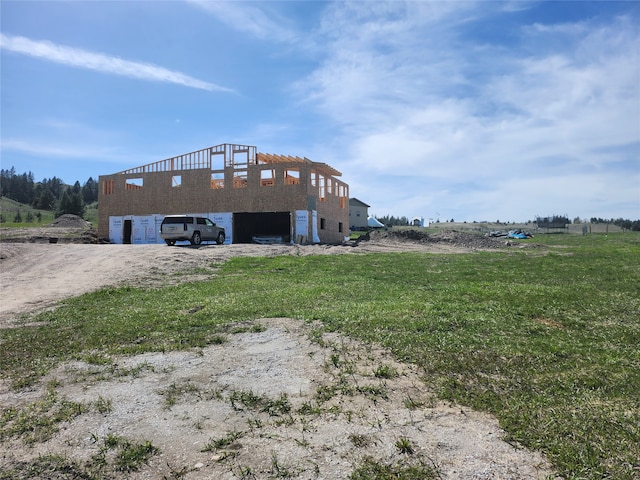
{"x": 267, "y": 403}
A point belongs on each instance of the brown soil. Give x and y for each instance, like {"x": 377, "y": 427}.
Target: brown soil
{"x": 367, "y": 419}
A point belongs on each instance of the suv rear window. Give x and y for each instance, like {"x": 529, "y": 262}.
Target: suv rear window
{"x": 177, "y": 220}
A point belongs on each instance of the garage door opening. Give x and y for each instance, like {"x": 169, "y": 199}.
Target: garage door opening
{"x": 258, "y": 227}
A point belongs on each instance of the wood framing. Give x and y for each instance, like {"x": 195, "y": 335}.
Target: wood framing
{"x": 233, "y": 179}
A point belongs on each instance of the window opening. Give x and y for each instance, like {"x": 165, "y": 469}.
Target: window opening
{"x": 322, "y": 222}
{"x": 176, "y": 180}
{"x": 291, "y": 176}
{"x": 239, "y": 178}
{"x": 241, "y": 157}
{"x": 321, "y": 183}
{"x": 133, "y": 184}
{"x": 342, "y": 193}
{"x": 340, "y": 227}
{"x": 314, "y": 179}
{"x": 217, "y": 180}
{"x": 267, "y": 177}
{"x": 217, "y": 159}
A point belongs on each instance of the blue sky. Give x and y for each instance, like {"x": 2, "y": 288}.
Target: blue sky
{"x": 465, "y": 110}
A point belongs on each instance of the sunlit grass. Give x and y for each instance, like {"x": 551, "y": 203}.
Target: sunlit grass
{"x": 544, "y": 338}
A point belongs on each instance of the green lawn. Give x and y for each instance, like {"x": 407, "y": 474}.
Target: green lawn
{"x": 547, "y": 339}
{"x": 9, "y": 208}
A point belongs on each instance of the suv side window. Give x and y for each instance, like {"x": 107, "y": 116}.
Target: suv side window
{"x": 209, "y": 223}
{"x": 201, "y": 221}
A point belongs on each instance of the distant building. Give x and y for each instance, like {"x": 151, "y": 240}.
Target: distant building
{"x": 250, "y": 194}
{"x": 420, "y": 222}
{"x": 358, "y": 214}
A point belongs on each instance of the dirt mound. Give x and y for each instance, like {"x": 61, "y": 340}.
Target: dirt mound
{"x": 452, "y": 237}
{"x": 70, "y": 221}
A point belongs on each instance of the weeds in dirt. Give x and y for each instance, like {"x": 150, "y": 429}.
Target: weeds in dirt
{"x": 360, "y": 441}
{"x": 262, "y": 403}
{"x": 243, "y": 472}
{"x": 307, "y": 408}
{"x": 45, "y": 466}
{"x": 374, "y": 391}
{"x": 40, "y": 420}
{"x": 280, "y": 470}
{"x": 116, "y": 455}
{"x": 106, "y": 370}
{"x": 521, "y": 334}
{"x": 370, "y": 469}
{"x": 405, "y": 446}
{"x": 176, "y": 391}
{"x": 103, "y": 405}
{"x": 385, "y": 371}
{"x": 222, "y": 442}
{"x": 177, "y": 474}
{"x": 412, "y": 403}
{"x": 120, "y": 454}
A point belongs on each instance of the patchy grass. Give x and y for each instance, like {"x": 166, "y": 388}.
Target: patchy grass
{"x": 115, "y": 455}
{"x": 370, "y": 469}
{"x": 40, "y": 420}
{"x": 222, "y": 442}
{"x": 546, "y": 338}
{"x": 241, "y": 399}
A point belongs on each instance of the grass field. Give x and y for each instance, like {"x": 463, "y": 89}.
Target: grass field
{"x": 9, "y": 208}
{"x": 546, "y": 339}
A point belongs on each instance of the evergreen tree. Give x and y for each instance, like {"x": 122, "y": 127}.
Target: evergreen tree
{"x": 71, "y": 203}
{"x": 90, "y": 191}
{"x": 65, "y": 204}
{"x": 44, "y": 200}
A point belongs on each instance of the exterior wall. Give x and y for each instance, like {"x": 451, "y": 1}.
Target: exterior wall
{"x": 138, "y": 193}
{"x": 358, "y": 214}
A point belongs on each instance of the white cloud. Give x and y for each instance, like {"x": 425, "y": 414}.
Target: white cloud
{"x": 470, "y": 125}
{"x": 101, "y": 63}
{"x": 259, "y": 22}
{"x": 51, "y": 149}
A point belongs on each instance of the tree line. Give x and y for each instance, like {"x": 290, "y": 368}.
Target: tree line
{"x": 50, "y": 194}
{"x": 625, "y": 224}
{"x": 542, "y": 222}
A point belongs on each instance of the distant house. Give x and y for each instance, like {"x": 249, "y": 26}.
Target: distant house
{"x": 358, "y": 214}
{"x": 250, "y": 194}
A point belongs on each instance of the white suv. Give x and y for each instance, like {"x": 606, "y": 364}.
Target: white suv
{"x": 194, "y": 229}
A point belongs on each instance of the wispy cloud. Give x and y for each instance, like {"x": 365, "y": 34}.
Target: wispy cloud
{"x": 250, "y": 18}
{"x": 100, "y": 62}
{"x": 45, "y": 149}
{"x": 431, "y": 107}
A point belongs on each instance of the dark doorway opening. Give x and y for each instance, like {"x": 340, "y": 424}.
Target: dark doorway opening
{"x": 126, "y": 232}
{"x": 246, "y": 226}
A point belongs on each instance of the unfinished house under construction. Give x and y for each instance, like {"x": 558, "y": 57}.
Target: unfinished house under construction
{"x": 254, "y": 196}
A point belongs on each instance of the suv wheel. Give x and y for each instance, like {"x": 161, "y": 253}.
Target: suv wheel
{"x": 196, "y": 239}
{"x": 220, "y": 239}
